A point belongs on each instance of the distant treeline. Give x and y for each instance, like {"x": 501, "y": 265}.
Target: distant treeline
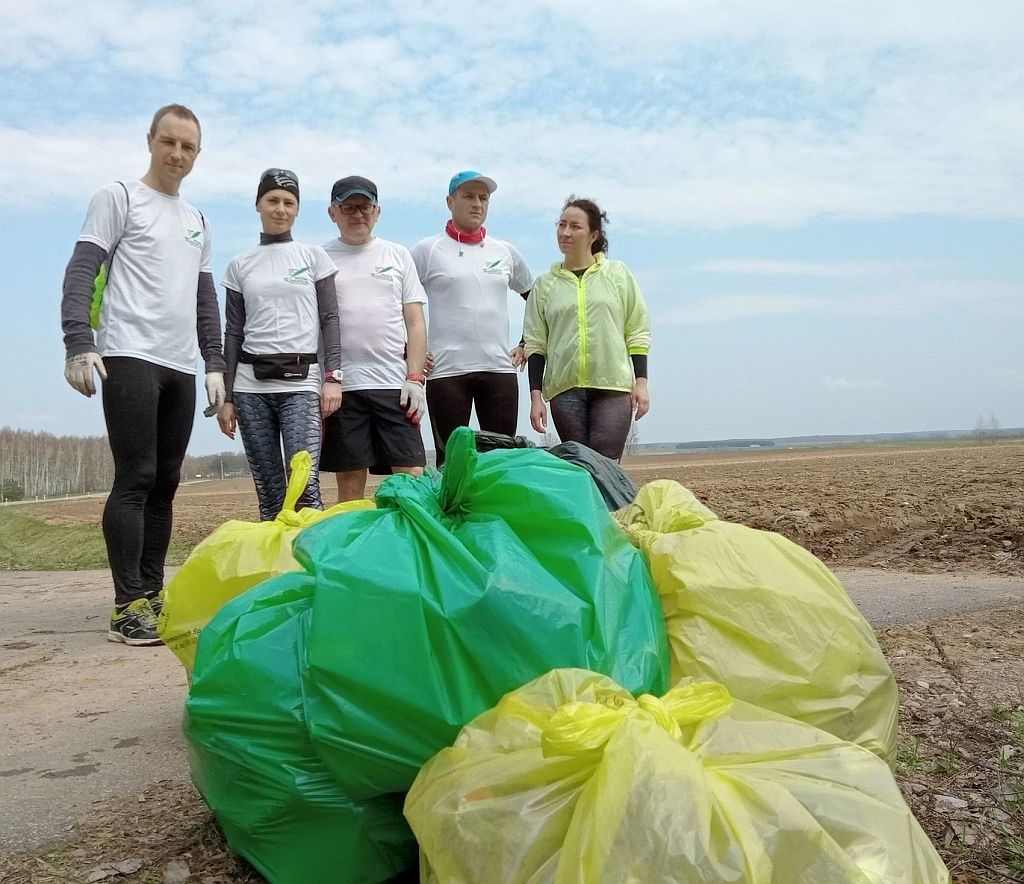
{"x": 36, "y": 464}
{"x": 728, "y": 443}
{"x": 210, "y": 466}
{"x": 43, "y": 465}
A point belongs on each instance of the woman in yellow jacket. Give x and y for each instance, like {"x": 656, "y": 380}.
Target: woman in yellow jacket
{"x": 587, "y": 334}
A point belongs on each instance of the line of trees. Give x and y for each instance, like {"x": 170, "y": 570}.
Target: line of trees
{"x": 34, "y": 464}
{"x": 216, "y": 466}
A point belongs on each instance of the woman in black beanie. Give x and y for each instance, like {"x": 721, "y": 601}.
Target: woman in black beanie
{"x": 281, "y": 308}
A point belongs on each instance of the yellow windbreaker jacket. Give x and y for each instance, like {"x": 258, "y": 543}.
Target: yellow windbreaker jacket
{"x": 587, "y": 327}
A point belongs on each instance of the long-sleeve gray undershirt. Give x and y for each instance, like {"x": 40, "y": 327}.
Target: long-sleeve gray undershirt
{"x": 77, "y": 298}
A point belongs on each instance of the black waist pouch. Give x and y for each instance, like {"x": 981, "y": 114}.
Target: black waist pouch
{"x": 279, "y": 366}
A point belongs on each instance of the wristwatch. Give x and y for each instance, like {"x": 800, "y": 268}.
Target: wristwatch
{"x": 334, "y": 376}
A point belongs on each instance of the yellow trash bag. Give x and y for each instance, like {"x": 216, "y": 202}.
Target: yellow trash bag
{"x": 570, "y": 780}
{"x": 764, "y": 617}
{"x": 235, "y": 557}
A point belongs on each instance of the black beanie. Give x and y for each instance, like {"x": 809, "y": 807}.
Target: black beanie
{"x": 278, "y": 179}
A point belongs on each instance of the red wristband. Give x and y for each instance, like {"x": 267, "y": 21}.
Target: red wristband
{"x": 418, "y": 378}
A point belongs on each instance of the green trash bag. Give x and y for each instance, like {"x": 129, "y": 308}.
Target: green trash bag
{"x": 570, "y": 780}
{"x": 764, "y": 617}
{"x": 235, "y": 557}
{"x": 455, "y": 591}
{"x": 251, "y": 756}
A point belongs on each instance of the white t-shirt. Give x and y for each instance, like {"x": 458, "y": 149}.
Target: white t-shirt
{"x": 375, "y": 281}
{"x": 467, "y": 297}
{"x": 149, "y": 304}
{"x": 278, "y": 283}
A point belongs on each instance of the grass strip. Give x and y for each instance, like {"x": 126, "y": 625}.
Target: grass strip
{"x": 28, "y": 544}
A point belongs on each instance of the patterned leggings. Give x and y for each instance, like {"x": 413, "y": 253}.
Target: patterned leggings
{"x": 267, "y": 421}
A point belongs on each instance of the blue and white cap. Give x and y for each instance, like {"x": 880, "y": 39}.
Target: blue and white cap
{"x": 460, "y": 178}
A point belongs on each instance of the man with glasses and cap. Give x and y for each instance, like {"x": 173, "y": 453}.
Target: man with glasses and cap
{"x": 467, "y": 276}
{"x": 383, "y": 347}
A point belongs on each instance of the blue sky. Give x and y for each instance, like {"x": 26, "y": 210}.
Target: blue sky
{"x": 821, "y": 201}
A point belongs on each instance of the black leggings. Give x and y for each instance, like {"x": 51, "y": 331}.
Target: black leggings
{"x": 495, "y": 395}
{"x": 600, "y": 419}
{"x": 149, "y": 411}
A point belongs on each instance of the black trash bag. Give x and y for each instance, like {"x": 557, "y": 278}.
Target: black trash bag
{"x": 615, "y": 486}
{"x": 488, "y": 441}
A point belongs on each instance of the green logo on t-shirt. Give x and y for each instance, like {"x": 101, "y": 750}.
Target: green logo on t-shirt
{"x": 298, "y": 275}
{"x": 194, "y": 238}
{"x": 494, "y": 267}
{"x": 383, "y": 272}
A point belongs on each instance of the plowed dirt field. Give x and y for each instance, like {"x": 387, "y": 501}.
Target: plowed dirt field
{"x": 936, "y": 508}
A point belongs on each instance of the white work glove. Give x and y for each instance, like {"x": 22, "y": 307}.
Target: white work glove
{"x": 413, "y": 400}
{"x": 215, "y": 390}
{"x": 78, "y": 372}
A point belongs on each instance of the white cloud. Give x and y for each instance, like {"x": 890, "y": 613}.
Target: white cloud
{"x": 727, "y": 308}
{"x": 844, "y": 385}
{"x": 870, "y": 23}
{"x": 830, "y": 111}
{"x": 40, "y": 34}
{"x": 723, "y": 175}
{"x": 37, "y": 32}
{"x": 844, "y": 269}
{"x": 918, "y": 297}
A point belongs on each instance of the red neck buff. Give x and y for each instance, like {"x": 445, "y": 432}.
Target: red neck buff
{"x": 460, "y": 236}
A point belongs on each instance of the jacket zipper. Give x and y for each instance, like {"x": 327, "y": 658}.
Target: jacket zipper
{"x": 581, "y": 308}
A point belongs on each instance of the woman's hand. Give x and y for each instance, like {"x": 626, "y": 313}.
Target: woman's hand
{"x": 518, "y": 355}
{"x": 538, "y": 412}
{"x": 330, "y": 399}
{"x": 226, "y": 419}
{"x": 639, "y": 399}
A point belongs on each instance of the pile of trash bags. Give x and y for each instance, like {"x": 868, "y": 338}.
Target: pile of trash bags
{"x": 564, "y": 694}
{"x": 321, "y": 693}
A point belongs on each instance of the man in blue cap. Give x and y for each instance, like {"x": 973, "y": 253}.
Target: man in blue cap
{"x": 467, "y": 276}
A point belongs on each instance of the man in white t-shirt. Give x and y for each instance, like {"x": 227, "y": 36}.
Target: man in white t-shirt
{"x": 467, "y": 276}
{"x": 383, "y": 346}
{"x": 157, "y": 312}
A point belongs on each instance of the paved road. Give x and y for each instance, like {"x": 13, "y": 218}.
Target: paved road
{"x": 887, "y": 598}
{"x": 84, "y": 720}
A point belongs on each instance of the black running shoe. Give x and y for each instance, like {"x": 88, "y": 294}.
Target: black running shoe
{"x": 156, "y": 602}
{"x": 135, "y": 624}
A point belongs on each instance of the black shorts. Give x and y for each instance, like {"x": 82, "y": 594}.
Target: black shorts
{"x": 370, "y": 430}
